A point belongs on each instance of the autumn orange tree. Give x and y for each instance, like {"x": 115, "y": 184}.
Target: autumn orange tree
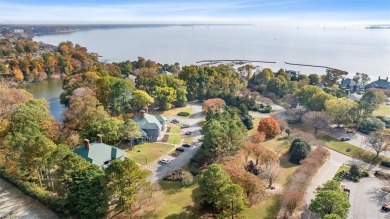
{"x": 252, "y": 186}
{"x": 269, "y": 126}
{"x": 215, "y": 104}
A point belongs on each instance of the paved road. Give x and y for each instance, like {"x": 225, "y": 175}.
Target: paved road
{"x": 159, "y": 170}
{"x": 366, "y": 199}
{"x": 327, "y": 172}
{"x": 15, "y": 204}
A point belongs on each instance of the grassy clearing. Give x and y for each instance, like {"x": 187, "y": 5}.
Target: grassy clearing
{"x": 148, "y": 152}
{"x": 177, "y": 201}
{"x": 267, "y": 209}
{"x": 175, "y": 111}
{"x": 355, "y": 152}
{"x": 341, "y": 146}
{"x": 174, "y": 129}
{"x": 383, "y": 110}
{"x": 188, "y": 139}
{"x": 255, "y": 124}
{"x": 174, "y": 139}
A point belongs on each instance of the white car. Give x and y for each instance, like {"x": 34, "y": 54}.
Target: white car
{"x": 185, "y": 126}
{"x": 163, "y": 160}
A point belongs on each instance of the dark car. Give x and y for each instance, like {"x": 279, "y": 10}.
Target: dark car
{"x": 186, "y": 145}
{"x": 188, "y": 133}
{"x": 174, "y": 121}
{"x": 180, "y": 149}
{"x": 350, "y": 131}
{"x": 344, "y": 139}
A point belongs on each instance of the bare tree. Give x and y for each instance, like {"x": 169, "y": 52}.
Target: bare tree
{"x": 272, "y": 173}
{"x": 379, "y": 142}
{"x": 316, "y": 120}
{"x": 295, "y": 115}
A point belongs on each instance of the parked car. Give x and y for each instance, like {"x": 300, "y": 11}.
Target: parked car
{"x": 344, "y": 139}
{"x": 174, "y": 121}
{"x": 164, "y": 160}
{"x": 180, "y": 149}
{"x": 350, "y": 131}
{"x": 186, "y": 145}
{"x": 185, "y": 126}
{"x": 188, "y": 133}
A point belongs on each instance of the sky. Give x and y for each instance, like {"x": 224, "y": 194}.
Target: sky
{"x": 290, "y": 12}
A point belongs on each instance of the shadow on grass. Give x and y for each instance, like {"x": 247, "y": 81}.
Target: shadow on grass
{"x": 188, "y": 212}
{"x": 273, "y": 209}
{"x": 284, "y": 163}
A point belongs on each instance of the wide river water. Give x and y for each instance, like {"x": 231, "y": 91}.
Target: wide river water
{"x": 353, "y": 49}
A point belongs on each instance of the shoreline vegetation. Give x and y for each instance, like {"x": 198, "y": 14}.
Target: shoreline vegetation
{"x": 240, "y": 155}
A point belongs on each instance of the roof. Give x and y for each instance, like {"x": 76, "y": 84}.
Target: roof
{"x": 162, "y": 71}
{"x": 380, "y": 83}
{"x": 149, "y": 122}
{"x": 98, "y": 153}
{"x": 347, "y": 82}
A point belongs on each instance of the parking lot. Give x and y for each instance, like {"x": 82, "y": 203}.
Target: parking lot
{"x": 366, "y": 199}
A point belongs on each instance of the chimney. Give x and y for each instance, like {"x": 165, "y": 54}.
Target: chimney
{"x": 146, "y": 109}
{"x": 379, "y": 78}
{"x": 86, "y": 144}
{"x": 142, "y": 114}
{"x": 387, "y": 78}
{"x": 100, "y": 138}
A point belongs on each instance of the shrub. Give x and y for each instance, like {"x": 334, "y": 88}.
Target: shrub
{"x": 247, "y": 120}
{"x": 299, "y": 150}
{"x": 385, "y": 119}
{"x": 269, "y": 126}
{"x": 385, "y": 163}
{"x": 184, "y": 114}
{"x": 371, "y": 125}
{"x": 293, "y": 194}
{"x": 187, "y": 178}
{"x": 354, "y": 174}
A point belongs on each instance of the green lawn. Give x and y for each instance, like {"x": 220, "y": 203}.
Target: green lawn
{"x": 174, "y": 129}
{"x": 356, "y": 152}
{"x": 177, "y": 201}
{"x": 188, "y": 139}
{"x": 175, "y": 111}
{"x": 148, "y": 152}
{"x": 267, "y": 209}
{"x": 255, "y": 124}
{"x": 341, "y": 146}
{"x": 383, "y": 110}
{"x": 174, "y": 139}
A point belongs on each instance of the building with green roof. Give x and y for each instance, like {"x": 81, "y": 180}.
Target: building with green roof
{"x": 151, "y": 125}
{"x": 99, "y": 153}
{"x": 380, "y": 83}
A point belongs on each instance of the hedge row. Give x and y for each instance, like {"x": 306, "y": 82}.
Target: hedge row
{"x": 294, "y": 193}
{"x": 45, "y": 197}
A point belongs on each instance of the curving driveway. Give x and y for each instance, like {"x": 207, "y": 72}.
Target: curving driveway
{"x": 160, "y": 170}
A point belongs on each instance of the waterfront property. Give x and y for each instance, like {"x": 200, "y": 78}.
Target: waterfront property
{"x": 151, "y": 125}
{"x": 350, "y": 85}
{"x": 99, "y": 153}
{"x": 380, "y": 83}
